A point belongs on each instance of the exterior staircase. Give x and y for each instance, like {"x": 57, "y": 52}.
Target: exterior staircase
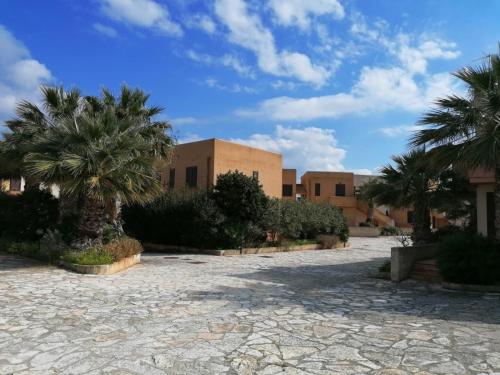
{"x": 426, "y": 270}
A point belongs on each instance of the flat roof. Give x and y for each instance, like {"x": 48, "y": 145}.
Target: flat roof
{"x": 230, "y": 142}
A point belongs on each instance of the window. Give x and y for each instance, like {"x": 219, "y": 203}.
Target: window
{"x": 15, "y": 184}
{"x": 317, "y": 190}
{"x": 340, "y": 190}
{"x": 255, "y": 174}
{"x": 171, "y": 178}
{"x": 191, "y": 176}
{"x": 409, "y": 217}
{"x": 287, "y": 190}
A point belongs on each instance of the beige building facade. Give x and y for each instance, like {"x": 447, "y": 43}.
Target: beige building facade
{"x": 196, "y": 165}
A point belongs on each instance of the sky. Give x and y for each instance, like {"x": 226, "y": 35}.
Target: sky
{"x": 331, "y": 84}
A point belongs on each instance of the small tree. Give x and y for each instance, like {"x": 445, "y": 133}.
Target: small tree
{"x": 242, "y": 201}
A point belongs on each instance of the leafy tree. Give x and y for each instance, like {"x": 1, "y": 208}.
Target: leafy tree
{"x": 241, "y": 200}
{"x": 465, "y": 130}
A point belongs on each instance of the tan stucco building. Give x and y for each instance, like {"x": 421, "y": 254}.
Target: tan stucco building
{"x": 197, "y": 165}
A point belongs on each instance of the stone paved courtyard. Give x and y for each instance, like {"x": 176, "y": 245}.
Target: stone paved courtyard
{"x": 289, "y": 313}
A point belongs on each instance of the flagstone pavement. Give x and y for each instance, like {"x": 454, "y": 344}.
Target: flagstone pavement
{"x": 311, "y": 312}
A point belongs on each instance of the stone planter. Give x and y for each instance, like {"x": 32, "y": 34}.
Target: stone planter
{"x": 104, "y": 269}
{"x": 364, "y": 231}
{"x": 233, "y": 252}
{"x": 403, "y": 259}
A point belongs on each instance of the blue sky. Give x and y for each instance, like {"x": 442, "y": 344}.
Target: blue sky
{"x": 331, "y": 84}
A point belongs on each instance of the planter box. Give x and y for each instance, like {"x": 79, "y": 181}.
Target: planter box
{"x": 233, "y": 252}
{"x": 364, "y": 232}
{"x": 104, "y": 269}
{"x": 403, "y": 258}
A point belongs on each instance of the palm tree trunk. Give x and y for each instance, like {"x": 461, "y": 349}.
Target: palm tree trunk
{"x": 68, "y": 206}
{"x": 421, "y": 224}
{"x": 92, "y": 219}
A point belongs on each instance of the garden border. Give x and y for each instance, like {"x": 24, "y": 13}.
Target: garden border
{"x": 234, "y": 252}
{"x": 103, "y": 269}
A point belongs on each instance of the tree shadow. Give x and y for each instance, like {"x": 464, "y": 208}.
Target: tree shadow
{"x": 350, "y": 290}
{"x": 10, "y": 262}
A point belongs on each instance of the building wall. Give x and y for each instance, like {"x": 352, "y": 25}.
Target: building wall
{"x": 290, "y": 178}
{"x": 327, "y": 181}
{"x": 213, "y": 157}
{"x": 195, "y": 154}
{"x": 232, "y": 156}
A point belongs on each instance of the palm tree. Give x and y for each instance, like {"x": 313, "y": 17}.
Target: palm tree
{"x": 31, "y": 121}
{"x": 98, "y": 157}
{"x": 132, "y": 106}
{"x": 408, "y": 184}
{"x": 465, "y": 130}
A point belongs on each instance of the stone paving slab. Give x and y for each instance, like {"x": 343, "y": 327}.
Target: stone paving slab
{"x": 285, "y": 313}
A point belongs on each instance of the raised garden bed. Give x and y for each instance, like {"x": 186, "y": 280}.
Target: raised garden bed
{"x": 233, "y": 252}
{"x": 103, "y": 269}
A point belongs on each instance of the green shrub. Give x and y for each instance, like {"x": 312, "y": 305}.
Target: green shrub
{"x": 92, "y": 256}
{"x": 123, "y": 247}
{"x": 389, "y": 231}
{"x": 28, "y": 249}
{"x": 469, "y": 259}
{"x": 26, "y": 217}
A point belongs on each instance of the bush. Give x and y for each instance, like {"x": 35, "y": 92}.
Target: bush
{"x": 26, "y": 248}
{"x": 26, "y": 217}
{"x": 469, "y": 259}
{"x": 187, "y": 219}
{"x": 389, "y": 231}
{"x": 294, "y": 220}
{"x": 92, "y": 256}
{"x": 113, "y": 251}
{"x": 123, "y": 247}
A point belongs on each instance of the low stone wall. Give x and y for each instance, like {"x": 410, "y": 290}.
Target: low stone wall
{"x": 233, "y": 252}
{"x": 104, "y": 269}
{"x": 364, "y": 232}
{"x": 403, "y": 259}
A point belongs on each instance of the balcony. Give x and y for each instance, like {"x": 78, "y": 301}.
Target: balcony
{"x": 343, "y": 201}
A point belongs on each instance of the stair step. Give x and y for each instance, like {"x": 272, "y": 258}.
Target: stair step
{"x": 426, "y": 270}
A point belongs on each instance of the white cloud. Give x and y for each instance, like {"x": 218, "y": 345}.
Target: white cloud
{"x": 202, "y": 22}
{"x": 105, "y": 30}
{"x": 235, "y": 87}
{"x": 310, "y": 148}
{"x": 398, "y": 131}
{"x": 20, "y": 74}
{"x": 406, "y": 85}
{"x": 247, "y": 30}
{"x": 377, "y": 90}
{"x": 226, "y": 60}
{"x": 299, "y": 12}
{"x": 142, "y": 13}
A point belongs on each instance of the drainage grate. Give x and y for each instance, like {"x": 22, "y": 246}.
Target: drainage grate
{"x": 197, "y": 262}
{"x": 265, "y": 256}
{"x": 170, "y": 257}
